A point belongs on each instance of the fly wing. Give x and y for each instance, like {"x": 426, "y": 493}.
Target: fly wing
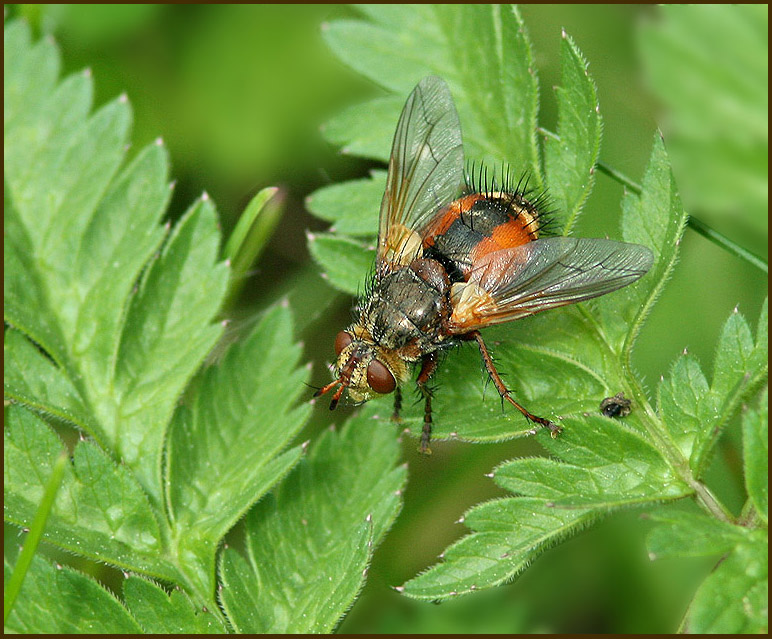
{"x": 512, "y": 283}
{"x": 426, "y": 171}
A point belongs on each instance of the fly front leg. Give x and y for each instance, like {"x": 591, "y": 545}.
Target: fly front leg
{"x": 397, "y": 405}
{"x": 428, "y": 367}
{"x": 503, "y": 391}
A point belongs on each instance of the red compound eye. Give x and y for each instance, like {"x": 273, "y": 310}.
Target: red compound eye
{"x": 342, "y": 340}
{"x": 379, "y": 378}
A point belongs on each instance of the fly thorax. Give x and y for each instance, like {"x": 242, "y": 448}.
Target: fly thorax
{"x": 406, "y": 305}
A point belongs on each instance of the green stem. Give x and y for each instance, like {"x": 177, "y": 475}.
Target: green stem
{"x": 694, "y": 223}
{"x": 619, "y": 177}
{"x": 724, "y": 242}
{"x": 13, "y": 587}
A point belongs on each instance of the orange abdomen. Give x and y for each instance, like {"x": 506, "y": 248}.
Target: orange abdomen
{"x": 474, "y": 226}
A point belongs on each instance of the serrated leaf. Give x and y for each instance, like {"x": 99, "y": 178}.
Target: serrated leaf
{"x": 62, "y": 601}
{"x": 166, "y": 336}
{"x": 570, "y": 161}
{"x": 78, "y": 233}
{"x": 352, "y": 206}
{"x": 682, "y": 402}
{"x": 482, "y": 51}
{"x": 160, "y": 613}
{"x": 739, "y": 366}
{"x": 607, "y": 466}
{"x": 680, "y": 533}
{"x": 34, "y": 380}
{"x": 756, "y": 455}
{"x": 309, "y": 545}
{"x": 345, "y": 261}
{"x": 359, "y": 130}
{"x": 656, "y": 219}
{"x": 225, "y": 449}
{"x": 735, "y": 596}
{"x": 493, "y": 62}
{"x": 555, "y": 375}
{"x": 100, "y": 511}
{"x": 695, "y": 412}
{"x": 708, "y": 65}
{"x": 510, "y": 534}
{"x": 394, "y": 49}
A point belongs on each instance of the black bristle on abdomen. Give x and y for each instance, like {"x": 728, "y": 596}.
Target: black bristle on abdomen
{"x": 521, "y": 196}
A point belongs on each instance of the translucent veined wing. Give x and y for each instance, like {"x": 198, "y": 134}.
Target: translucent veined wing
{"x": 512, "y": 283}
{"x": 426, "y": 171}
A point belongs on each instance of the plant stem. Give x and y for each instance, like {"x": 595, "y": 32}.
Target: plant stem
{"x": 619, "y": 177}
{"x": 709, "y": 501}
{"x": 724, "y": 242}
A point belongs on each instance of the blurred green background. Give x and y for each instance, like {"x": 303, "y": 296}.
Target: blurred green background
{"x": 239, "y": 93}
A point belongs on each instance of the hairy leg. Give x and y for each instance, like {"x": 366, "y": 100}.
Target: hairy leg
{"x": 503, "y": 391}
{"x": 428, "y": 367}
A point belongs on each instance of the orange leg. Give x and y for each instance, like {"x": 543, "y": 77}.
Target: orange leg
{"x": 503, "y": 391}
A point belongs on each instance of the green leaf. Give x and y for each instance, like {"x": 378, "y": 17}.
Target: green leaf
{"x": 735, "y": 596}
{"x": 308, "y": 546}
{"x": 708, "y": 66}
{"x": 34, "y": 534}
{"x": 695, "y": 412}
{"x": 756, "y": 455}
{"x": 353, "y": 206}
{"x": 160, "y": 613}
{"x": 166, "y": 336}
{"x": 740, "y": 365}
{"x": 482, "y": 51}
{"x": 680, "y": 533}
{"x": 346, "y": 261}
{"x": 656, "y": 219}
{"x": 100, "y": 511}
{"x": 78, "y": 235}
{"x": 509, "y": 535}
{"x": 391, "y": 48}
{"x": 495, "y": 67}
{"x": 683, "y": 402}
{"x": 359, "y": 130}
{"x": 34, "y": 380}
{"x": 60, "y": 600}
{"x": 225, "y": 448}
{"x": 607, "y": 466}
{"x": 570, "y": 161}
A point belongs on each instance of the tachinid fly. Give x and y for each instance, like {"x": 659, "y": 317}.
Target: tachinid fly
{"x": 451, "y": 262}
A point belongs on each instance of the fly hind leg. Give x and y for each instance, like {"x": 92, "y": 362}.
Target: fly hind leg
{"x": 503, "y": 391}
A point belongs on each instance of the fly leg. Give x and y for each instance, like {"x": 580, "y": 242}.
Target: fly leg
{"x": 397, "y": 405}
{"x": 503, "y": 391}
{"x": 428, "y": 366}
